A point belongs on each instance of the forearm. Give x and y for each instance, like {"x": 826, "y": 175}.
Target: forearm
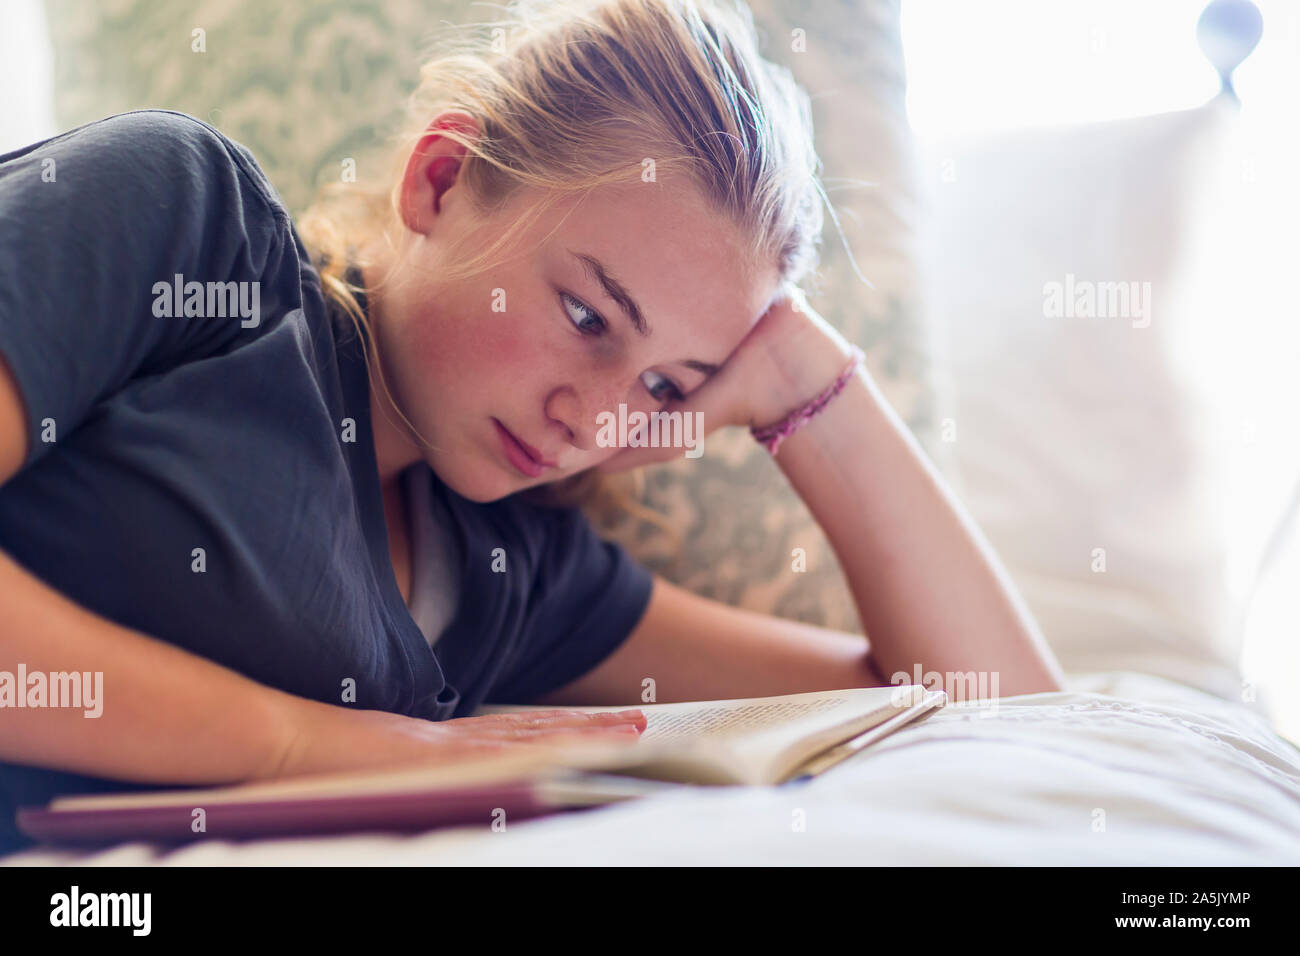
{"x": 166, "y": 715}
{"x": 929, "y": 589}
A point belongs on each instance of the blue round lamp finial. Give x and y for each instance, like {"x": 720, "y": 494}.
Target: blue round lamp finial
{"x": 1227, "y": 32}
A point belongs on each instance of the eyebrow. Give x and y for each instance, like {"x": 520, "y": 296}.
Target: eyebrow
{"x": 618, "y": 292}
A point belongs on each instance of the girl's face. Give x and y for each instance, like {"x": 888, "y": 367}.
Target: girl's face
{"x": 625, "y": 296}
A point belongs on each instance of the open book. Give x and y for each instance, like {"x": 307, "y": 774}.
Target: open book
{"x": 760, "y": 740}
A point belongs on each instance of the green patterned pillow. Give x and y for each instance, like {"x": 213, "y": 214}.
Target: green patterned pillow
{"x": 308, "y": 87}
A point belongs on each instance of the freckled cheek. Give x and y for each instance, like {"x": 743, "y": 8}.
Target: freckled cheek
{"x": 504, "y": 350}
{"x": 484, "y": 352}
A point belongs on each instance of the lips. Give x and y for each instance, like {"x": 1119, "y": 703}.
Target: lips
{"x": 523, "y": 456}
{"x": 533, "y": 453}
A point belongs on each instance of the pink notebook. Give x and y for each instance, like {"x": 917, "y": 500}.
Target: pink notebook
{"x": 407, "y": 811}
{"x": 516, "y": 786}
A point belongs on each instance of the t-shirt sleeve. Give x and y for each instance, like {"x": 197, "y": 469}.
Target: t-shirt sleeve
{"x": 91, "y": 221}
{"x": 591, "y": 594}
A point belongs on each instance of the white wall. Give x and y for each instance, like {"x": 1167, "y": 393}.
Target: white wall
{"x": 26, "y": 105}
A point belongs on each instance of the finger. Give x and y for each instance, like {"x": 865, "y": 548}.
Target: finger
{"x": 635, "y": 716}
{"x": 628, "y": 458}
{"x": 579, "y": 718}
{"x": 560, "y": 734}
{"x": 515, "y": 733}
{"x": 715, "y": 407}
{"x": 514, "y": 719}
{"x": 713, "y": 416}
{"x": 558, "y": 718}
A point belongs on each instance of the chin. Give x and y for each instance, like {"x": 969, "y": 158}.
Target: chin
{"x": 480, "y": 482}
{"x": 478, "y": 488}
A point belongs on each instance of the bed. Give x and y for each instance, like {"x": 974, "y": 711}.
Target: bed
{"x": 1121, "y": 769}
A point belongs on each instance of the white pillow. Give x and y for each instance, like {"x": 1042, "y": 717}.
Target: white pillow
{"x": 1094, "y": 451}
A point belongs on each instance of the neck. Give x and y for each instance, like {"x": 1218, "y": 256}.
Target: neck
{"x": 394, "y": 450}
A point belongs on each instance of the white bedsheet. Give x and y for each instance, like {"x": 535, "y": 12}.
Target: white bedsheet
{"x": 1122, "y": 769}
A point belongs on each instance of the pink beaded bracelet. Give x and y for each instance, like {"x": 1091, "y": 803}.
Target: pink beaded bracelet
{"x": 771, "y": 436}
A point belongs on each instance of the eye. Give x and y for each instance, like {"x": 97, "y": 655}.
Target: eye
{"x": 589, "y": 322}
{"x": 594, "y": 324}
{"x": 664, "y": 390}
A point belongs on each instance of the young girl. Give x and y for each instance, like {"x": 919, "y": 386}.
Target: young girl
{"x": 270, "y": 495}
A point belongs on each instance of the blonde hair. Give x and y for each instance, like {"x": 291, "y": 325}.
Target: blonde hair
{"x": 573, "y": 94}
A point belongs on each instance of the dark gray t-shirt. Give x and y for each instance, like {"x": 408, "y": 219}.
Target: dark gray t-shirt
{"x": 435, "y": 556}
{"x": 208, "y": 477}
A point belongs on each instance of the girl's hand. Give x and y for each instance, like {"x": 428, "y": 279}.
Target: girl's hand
{"x": 787, "y": 358}
{"x": 325, "y": 738}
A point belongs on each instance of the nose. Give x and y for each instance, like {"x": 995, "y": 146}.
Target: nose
{"x": 577, "y": 406}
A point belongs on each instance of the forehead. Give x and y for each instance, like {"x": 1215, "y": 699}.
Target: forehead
{"x": 686, "y": 265}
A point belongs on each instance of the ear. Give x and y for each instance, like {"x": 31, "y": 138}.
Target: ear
{"x": 433, "y": 168}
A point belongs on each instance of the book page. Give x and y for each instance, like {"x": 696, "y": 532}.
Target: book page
{"x": 749, "y": 740}
{"x": 767, "y": 751}
{"x": 723, "y": 718}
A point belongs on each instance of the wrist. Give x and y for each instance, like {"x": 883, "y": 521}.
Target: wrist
{"x": 292, "y": 728}
{"x": 801, "y": 367}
